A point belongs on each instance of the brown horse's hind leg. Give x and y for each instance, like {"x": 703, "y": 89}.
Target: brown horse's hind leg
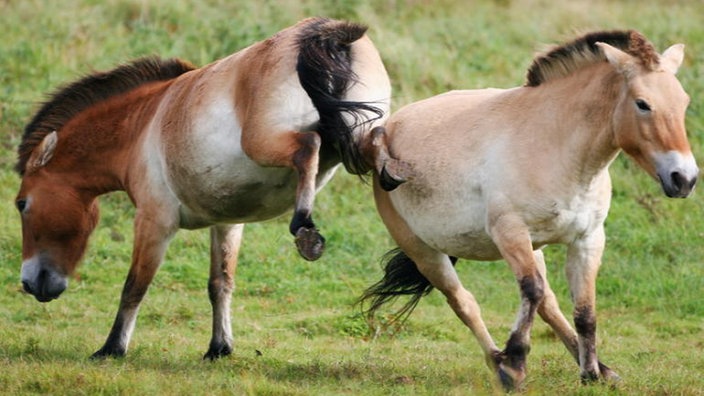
{"x": 224, "y": 248}
{"x": 300, "y": 151}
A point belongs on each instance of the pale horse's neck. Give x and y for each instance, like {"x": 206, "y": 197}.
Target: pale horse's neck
{"x": 585, "y": 103}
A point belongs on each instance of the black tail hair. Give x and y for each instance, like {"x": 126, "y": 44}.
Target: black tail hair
{"x": 401, "y": 278}
{"x": 325, "y": 72}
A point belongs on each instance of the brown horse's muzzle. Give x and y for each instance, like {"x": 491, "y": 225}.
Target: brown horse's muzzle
{"x": 679, "y": 186}
{"x": 42, "y": 281}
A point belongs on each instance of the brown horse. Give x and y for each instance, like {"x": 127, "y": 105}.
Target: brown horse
{"x": 243, "y": 139}
{"x": 498, "y": 173}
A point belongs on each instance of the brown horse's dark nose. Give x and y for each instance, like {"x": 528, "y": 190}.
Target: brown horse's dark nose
{"x": 45, "y": 287}
{"x": 682, "y": 185}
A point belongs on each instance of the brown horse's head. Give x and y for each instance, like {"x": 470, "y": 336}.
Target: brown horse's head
{"x": 57, "y": 220}
{"x": 649, "y": 121}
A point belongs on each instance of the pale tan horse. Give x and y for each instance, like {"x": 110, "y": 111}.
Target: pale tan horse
{"x": 499, "y": 173}
{"x": 243, "y": 139}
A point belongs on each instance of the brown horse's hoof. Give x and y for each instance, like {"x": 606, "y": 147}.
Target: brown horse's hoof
{"x": 310, "y": 243}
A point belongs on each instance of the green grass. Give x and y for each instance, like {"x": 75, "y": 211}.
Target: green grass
{"x": 296, "y": 330}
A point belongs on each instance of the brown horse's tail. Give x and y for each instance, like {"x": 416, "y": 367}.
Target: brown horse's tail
{"x": 401, "y": 278}
{"x": 325, "y": 72}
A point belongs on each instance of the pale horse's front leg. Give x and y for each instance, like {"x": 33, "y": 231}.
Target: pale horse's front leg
{"x": 152, "y": 235}
{"x": 512, "y": 238}
{"x": 550, "y": 312}
{"x": 225, "y": 241}
{"x": 583, "y": 262}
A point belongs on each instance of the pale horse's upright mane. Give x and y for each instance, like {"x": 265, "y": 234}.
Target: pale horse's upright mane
{"x": 562, "y": 60}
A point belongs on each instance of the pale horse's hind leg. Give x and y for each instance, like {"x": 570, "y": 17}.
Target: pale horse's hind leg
{"x": 437, "y": 268}
{"x": 375, "y": 150}
{"x": 225, "y": 244}
{"x": 550, "y": 312}
{"x": 299, "y": 151}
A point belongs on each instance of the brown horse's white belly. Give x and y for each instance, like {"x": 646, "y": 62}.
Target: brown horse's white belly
{"x": 204, "y": 169}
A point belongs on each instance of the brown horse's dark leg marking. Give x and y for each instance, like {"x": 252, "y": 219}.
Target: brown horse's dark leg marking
{"x": 118, "y": 339}
{"x": 224, "y": 249}
{"x": 511, "y": 362}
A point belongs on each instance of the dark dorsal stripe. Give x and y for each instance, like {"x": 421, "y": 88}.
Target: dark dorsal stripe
{"x": 564, "y": 59}
{"x": 76, "y": 97}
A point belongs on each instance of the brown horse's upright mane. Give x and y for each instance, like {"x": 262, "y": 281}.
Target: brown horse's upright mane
{"x": 563, "y": 60}
{"x": 72, "y": 99}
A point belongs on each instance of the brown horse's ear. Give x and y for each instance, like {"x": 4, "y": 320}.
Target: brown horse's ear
{"x": 671, "y": 59}
{"x": 622, "y": 61}
{"x": 43, "y": 153}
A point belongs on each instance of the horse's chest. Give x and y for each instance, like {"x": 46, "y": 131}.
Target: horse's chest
{"x": 562, "y": 223}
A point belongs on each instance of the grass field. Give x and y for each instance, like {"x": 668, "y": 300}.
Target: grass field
{"x": 296, "y": 330}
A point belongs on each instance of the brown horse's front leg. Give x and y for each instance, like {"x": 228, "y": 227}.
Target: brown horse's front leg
{"x": 150, "y": 244}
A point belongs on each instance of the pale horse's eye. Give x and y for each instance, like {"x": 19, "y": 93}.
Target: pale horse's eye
{"x": 643, "y": 106}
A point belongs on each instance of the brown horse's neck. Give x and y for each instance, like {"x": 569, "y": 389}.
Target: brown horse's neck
{"x": 96, "y": 147}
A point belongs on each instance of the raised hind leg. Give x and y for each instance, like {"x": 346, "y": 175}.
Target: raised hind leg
{"x": 299, "y": 151}
{"x": 224, "y": 248}
{"x": 513, "y": 240}
{"x": 583, "y": 262}
{"x": 550, "y": 312}
{"x": 151, "y": 238}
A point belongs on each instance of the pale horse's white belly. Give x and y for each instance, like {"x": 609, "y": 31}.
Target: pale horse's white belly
{"x": 450, "y": 214}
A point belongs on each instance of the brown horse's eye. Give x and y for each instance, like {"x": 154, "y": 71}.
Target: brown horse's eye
{"x": 21, "y": 204}
{"x": 643, "y": 105}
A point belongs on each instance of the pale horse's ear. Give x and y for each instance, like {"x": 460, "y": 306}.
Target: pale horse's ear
{"x": 622, "y": 61}
{"x": 43, "y": 153}
{"x": 671, "y": 59}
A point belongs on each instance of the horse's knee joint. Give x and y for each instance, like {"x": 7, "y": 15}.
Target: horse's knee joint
{"x": 532, "y": 289}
